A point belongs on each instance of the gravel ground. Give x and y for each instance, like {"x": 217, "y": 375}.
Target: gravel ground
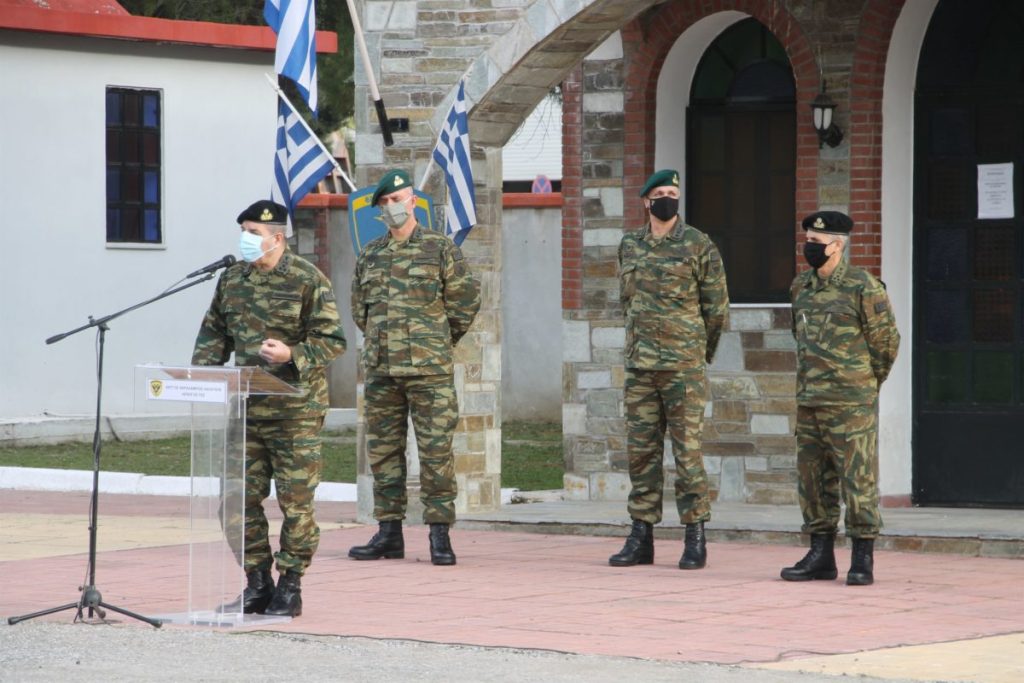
{"x": 48, "y": 651}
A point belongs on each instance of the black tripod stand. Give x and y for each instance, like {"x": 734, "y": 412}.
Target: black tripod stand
{"x": 90, "y": 597}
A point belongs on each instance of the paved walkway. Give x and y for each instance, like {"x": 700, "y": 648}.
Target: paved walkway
{"x": 930, "y": 616}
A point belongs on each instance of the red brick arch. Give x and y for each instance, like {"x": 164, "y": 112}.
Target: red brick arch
{"x": 646, "y": 42}
{"x": 652, "y": 38}
{"x": 865, "y": 135}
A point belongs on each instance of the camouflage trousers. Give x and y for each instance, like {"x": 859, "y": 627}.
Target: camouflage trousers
{"x": 655, "y": 401}
{"x": 837, "y": 457}
{"x": 287, "y": 452}
{"x": 431, "y": 402}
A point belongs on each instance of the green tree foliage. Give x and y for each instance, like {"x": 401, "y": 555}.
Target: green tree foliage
{"x": 334, "y": 71}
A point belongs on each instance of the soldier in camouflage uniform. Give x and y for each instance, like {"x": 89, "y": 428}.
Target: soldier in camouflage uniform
{"x": 846, "y": 344}
{"x": 276, "y": 311}
{"x": 414, "y": 298}
{"x": 676, "y": 304}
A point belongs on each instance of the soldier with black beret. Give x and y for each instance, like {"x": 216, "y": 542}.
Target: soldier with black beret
{"x": 676, "y": 304}
{"x": 275, "y": 310}
{"x": 846, "y": 341}
{"x": 413, "y": 298}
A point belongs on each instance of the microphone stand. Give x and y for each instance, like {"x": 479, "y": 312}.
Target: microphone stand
{"x": 90, "y": 596}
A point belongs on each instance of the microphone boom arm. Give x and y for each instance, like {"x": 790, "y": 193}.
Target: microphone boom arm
{"x": 98, "y": 322}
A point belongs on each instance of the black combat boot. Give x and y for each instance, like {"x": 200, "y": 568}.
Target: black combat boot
{"x": 259, "y": 589}
{"x": 695, "y": 547}
{"x": 287, "y": 600}
{"x": 818, "y": 563}
{"x": 441, "y": 552}
{"x": 639, "y": 547}
{"x": 862, "y": 564}
{"x": 388, "y": 543}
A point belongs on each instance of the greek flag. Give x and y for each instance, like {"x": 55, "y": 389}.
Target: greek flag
{"x": 294, "y": 22}
{"x": 299, "y": 163}
{"x": 452, "y": 155}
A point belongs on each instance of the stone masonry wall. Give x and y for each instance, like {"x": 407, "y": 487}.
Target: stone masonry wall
{"x": 420, "y": 50}
{"x": 593, "y": 335}
{"x": 749, "y": 447}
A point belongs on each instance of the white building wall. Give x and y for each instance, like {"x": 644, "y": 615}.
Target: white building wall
{"x": 895, "y": 403}
{"x": 531, "y": 309}
{"x": 218, "y": 117}
{"x": 536, "y": 148}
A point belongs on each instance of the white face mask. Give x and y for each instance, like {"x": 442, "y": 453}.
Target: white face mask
{"x": 394, "y": 214}
{"x": 250, "y": 246}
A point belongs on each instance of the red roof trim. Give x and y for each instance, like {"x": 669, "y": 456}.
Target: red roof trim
{"x": 510, "y": 200}
{"x": 151, "y": 30}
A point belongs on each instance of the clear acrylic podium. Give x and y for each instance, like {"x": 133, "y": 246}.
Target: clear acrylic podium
{"x": 215, "y": 398}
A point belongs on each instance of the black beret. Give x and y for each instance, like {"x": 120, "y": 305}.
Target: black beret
{"x": 392, "y": 181}
{"x": 264, "y": 211}
{"x": 664, "y": 178}
{"x": 832, "y": 222}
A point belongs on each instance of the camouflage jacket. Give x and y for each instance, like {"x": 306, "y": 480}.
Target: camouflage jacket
{"x": 846, "y": 336}
{"x": 674, "y": 298}
{"x": 413, "y": 300}
{"x": 293, "y": 303}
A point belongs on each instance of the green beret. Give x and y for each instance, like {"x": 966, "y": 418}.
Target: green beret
{"x": 392, "y": 181}
{"x": 264, "y": 211}
{"x": 832, "y": 222}
{"x": 664, "y": 178}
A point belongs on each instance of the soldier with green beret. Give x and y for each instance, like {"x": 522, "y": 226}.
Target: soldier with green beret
{"x": 847, "y": 341}
{"x": 676, "y": 304}
{"x": 414, "y": 298}
{"x": 275, "y": 310}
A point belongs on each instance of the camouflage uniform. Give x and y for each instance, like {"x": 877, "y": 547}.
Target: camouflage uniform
{"x": 413, "y": 300}
{"x": 675, "y": 301}
{"x": 295, "y": 304}
{"x": 846, "y": 344}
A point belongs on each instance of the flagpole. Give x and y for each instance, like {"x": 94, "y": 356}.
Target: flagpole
{"x": 280, "y": 93}
{"x": 426, "y": 173}
{"x": 431, "y": 163}
{"x": 382, "y": 115}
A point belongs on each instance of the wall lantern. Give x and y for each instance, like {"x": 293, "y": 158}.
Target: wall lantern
{"x": 828, "y": 132}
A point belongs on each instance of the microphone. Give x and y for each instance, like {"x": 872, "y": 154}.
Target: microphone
{"x": 228, "y": 260}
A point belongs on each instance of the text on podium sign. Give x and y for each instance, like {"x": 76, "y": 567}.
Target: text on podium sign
{"x": 193, "y": 391}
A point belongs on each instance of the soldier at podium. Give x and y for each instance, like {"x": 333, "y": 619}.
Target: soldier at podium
{"x": 276, "y": 311}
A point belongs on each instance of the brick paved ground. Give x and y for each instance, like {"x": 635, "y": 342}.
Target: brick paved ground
{"x": 530, "y": 590}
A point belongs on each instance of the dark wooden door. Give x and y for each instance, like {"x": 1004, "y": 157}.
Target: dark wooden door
{"x": 740, "y": 178}
{"x": 968, "y": 347}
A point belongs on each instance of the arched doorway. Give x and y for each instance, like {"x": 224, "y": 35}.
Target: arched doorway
{"x": 969, "y": 258}
{"x": 741, "y": 159}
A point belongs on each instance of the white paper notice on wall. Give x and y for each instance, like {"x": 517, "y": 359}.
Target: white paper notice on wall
{"x": 995, "y": 190}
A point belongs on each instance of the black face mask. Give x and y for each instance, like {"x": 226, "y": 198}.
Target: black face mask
{"x": 814, "y": 253}
{"x": 664, "y": 208}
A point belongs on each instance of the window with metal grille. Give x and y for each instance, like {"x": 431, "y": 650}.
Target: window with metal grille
{"x": 133, "y": 166}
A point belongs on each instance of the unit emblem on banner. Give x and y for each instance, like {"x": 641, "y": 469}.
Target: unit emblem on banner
{"x": 365, "y": 223}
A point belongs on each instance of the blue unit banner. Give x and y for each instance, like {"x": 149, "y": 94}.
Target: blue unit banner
{"x": 365, "y": 223}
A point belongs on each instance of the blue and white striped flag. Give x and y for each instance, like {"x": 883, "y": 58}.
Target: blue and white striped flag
{"x": 299, "y": 162}
{"x": 294, "y": 22}
{"x": 452, "y": 155}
